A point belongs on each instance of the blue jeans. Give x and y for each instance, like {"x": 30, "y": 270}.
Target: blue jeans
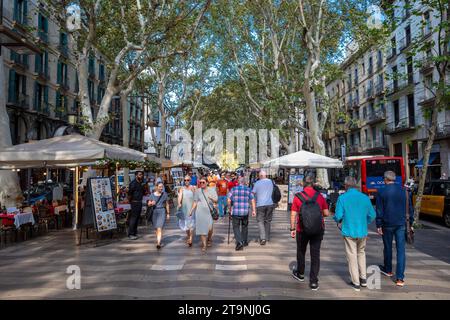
{"x": 222, "y": 204}
{"x": 389, "y": 233}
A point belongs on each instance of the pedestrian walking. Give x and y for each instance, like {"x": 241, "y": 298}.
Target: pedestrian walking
{"x": 307, "y": 224}
{"x": 391, "y": 224}
{"x": 354, "y": 212}
{"x": 239, "y": 201}
{"x": 185, "y": 201}
{"x": 161, "y": 211}
{"x": 233, "y": 182}
{"x": 194, "y": 180}
{"x": 222, "y": 192}
{"x": 204, "y": 200}
{"x": 263, "y": 190}
{"x": 135, "y": 195}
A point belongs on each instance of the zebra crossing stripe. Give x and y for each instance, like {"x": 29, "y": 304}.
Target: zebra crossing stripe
{"x": 227, "y": 258}
{"x": 166, "y": 267}
{"x": 231, "y": 267}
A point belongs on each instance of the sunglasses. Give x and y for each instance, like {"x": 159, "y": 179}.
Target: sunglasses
{"x": 202, "y": 182}
{"x": 187, "y": 179}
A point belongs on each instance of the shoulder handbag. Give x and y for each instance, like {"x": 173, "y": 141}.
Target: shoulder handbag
{"x": 213, "y": 211}
{"x": 409, "y": 233}
{"x": 150, "y": 209}
{"x": 180, "y": 214}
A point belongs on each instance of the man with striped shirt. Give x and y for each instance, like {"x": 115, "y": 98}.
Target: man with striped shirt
{"x": 239, "y": 200}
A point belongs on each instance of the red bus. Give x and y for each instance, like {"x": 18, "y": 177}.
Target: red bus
{"x": 369, "y": 171}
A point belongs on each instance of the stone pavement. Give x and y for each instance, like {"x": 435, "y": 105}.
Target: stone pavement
{"x": 124, "y": 269}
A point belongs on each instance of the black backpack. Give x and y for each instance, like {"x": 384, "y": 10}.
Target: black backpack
{"x": 276, "y": 193}
{"x": 310, "y": 214}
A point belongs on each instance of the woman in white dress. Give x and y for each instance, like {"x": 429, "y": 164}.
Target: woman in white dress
{"x": 185, "y": 201}
{"x": 203, "y": 201}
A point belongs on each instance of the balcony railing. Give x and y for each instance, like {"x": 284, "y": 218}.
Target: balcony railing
{"x": 375, "y": 144}
{"x": 370, "y": 93}
{"x": 426, "y": 65}
{"x": 43, "y": 36}
{"x": 354, "y": 124}
{"x": 404, "y": 43}
{"x": 392, "y": 52}
{"x": 376, "y": 116}
{"x": 399, "y": 84}
{"x": 64, "y": 50}
{"x": 354, "y": 149}
{"x": 379, "y": 89}
{"x": 398, "y": 127}
{"x": 355, "y": 103}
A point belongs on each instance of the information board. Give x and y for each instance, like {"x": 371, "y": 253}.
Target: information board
{"x": 99, "y": 208}
{"x": 295, "y": 185}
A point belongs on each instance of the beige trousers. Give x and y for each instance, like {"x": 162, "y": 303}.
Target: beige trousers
{"x": 356, "y": 257}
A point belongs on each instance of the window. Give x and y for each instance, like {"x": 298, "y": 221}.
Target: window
{"x": 41, "y": 64}
{"x": 17, "y": 88}
{"x": 364, "y": 68}
{"x": 380, "y": 59}
{"x": 91, "y": 90}
{"x": 42, "y": 27}
{"x": 63, "y": 44}
{"x": 62, "y": 74}
{"x": 410, "y": 70}
{"x": 40, "y": 98}
{"x": 396, "y": 112}
{"x": 374, "y": 134}
{"x": 91, "y": 66}
{"x": 364, "y": 112}
{"x": 408, "y": 35}
{"x": 411, "y": 112}
{"x": 101, "y": 72}
{"x": 370, "y": 65}
{"x": 393, "y": 46}
{"x": 61, "y": 106}
{"x": 426, "y": 24}
{"x": 395, "y": 77}
{"x": 20, "y": 11}
{"x": 366, "y": 134}
{"x": 356, "y": 76}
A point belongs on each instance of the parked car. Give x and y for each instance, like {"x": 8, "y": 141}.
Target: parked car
{"x": 436, "y": 200}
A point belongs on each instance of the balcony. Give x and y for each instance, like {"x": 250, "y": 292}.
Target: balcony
{"x": 404, "y": 43}
{"x": 375, "y": 145}
{"x": 428, "y": 100}
{"x": 443, "y": 131}
{"x": 392, "y": 52}
{"x": 43, "y": 36}
{"x": 399, "y": 86}
{"x": 379, "y": 89}
{"x": 354, "y": 124}
{"x": 376, "y": 116}
{"x": 370, "y": 93}
{"x": 20, "y": 101}
{"x": 426, "y": 66}
{"x": 355, "y": 104}
{"x": 64, "y": 50}
{"x": 354, "y": 149}
{"x": 399, "y": 127}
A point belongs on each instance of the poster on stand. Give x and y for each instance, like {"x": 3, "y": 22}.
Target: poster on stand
{"x": 178, "y": 177}
{"x": 295, "y": 185}
{"x": 102, "y": 204}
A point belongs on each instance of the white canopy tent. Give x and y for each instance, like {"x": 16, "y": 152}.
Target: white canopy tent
{"x": 303, "y": 159}
{"x": 68, "y": 151}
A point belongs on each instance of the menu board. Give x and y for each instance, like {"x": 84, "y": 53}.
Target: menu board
{"x": 103, "y": 205}
{"x": 295, "y": 185}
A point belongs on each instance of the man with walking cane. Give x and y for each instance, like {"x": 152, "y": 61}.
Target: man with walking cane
{"x": 239, "y": 200}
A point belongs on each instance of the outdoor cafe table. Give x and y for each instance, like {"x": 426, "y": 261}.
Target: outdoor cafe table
{"x": 19, "y": 219}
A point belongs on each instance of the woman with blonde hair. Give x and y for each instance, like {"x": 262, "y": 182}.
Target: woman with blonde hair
{"x": 185, "y": 201}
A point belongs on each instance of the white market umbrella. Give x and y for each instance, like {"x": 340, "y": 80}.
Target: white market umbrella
{"x": 68, "y": 150}
{"x": 303, "y": 159}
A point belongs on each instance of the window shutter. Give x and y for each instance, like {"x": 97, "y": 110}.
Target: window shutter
{"x": 46, "y": 64}
{"x": 66, "y": 79}
{"x": 16, "y": 10}
{"x": 25, "y": 12}
{"x": 12, "y": 86}
{"x": 36, "y": 97}
{"x": 59, "y": 73}
{"x": 46, "y": 109}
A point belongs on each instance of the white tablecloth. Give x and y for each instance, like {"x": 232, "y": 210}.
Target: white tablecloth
{"x": 61, "y": 209}
{"x": 23, "y": 218}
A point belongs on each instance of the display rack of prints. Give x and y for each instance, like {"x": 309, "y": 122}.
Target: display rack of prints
{"x": 295, "y": 185}
{"x": 103, "y": 205}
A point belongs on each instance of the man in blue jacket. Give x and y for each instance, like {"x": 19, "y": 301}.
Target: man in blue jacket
{"x": 391, "y": 223}
{"x": 354, "y": 212}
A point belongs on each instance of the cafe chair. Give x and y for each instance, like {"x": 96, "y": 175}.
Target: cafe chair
{"x": 45, "y": 218}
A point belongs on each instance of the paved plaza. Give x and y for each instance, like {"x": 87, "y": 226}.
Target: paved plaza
{"x": 124, "y": 269}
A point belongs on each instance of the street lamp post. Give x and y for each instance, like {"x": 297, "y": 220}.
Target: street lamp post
{"x": 341, "y": 123}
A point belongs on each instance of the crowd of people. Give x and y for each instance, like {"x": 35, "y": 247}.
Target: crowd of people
{"x": 230, "y": 195}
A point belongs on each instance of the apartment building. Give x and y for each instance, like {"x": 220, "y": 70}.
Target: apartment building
{"x": 383, "y": 109}
{"x": 42, "y": 89}
{"x": 359, "y": 103}
{"x": 408, "y": 94}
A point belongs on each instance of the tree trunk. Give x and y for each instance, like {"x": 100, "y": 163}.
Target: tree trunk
{"x": 426, "y": 157}
{"x": 102, "y": 118}
{"x": 9, "y": 180}
{"x": 314, "y": 130}
{"x": 125, "y": 126}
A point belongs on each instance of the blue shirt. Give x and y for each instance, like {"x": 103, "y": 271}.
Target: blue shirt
{"x": 194, "y": 180}
{"x": 263, "y": 192}
{"x": 391, "y": 207}
{"x": 356, "y": 212}
{"x": 240, "y": 197}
